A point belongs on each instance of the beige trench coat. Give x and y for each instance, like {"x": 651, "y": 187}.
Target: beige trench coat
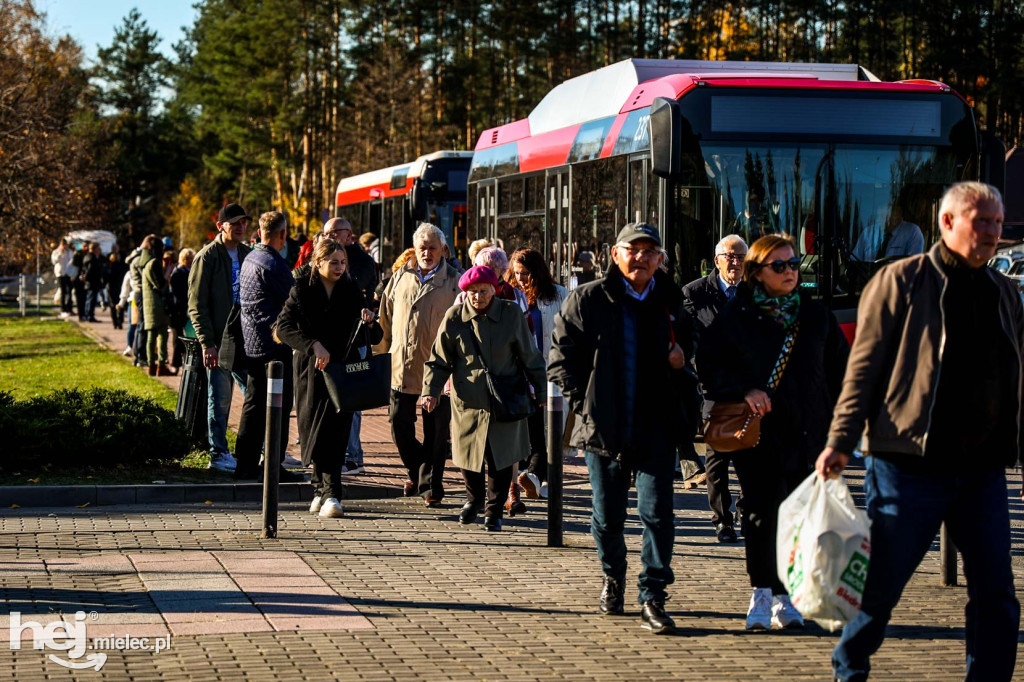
{"x": 410, "y": 314}
{"x": 503, "y": 335}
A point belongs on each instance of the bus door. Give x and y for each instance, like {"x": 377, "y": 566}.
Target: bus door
{"x": 487, "y": 209}
{"x": 558, "y": 232}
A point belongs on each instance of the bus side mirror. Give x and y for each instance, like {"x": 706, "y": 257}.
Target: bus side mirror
{"x": 666, "y": 139}
{"x": 993, "y": 161}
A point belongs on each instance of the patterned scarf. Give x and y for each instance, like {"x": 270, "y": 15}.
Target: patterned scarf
{"x": 782, "y": 309}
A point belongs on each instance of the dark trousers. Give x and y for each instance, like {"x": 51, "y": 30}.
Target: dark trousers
{"x": 179, "y": 349}
{"x": 116, "y": 316}
{"x": 79, "y": 287}
{"x": 764, "y": 485}
{"x": 424, "y": 461}
{"x": 253, "y": 425}
{"x": 719, "y": 499}
{"x": 141, "y": 341}
{"x": 538, "y": 462}
{"x": 327, "y": 462}
{"x": 906, "y": 510}
{"x": 92, "y": 299}
{"x": 498, "y": 482}
{"x": 66, "y": 289}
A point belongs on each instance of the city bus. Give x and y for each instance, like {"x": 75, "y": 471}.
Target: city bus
{"x": 391, "y": 202}
{"x": 824, "y": 152}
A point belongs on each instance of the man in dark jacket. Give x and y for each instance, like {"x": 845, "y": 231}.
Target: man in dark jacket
{"x": 265, "y": 282}
{"x": 94, "y": 270}
{"x": 703, "y": 298}
{"x": 612, "y": 349}
{"x": 935, "y": 377}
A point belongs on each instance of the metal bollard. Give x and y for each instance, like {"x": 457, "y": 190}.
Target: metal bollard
{"x": 554, "y": 419}
{"x": 272, "y": 448}
{"x": 22, "y": 295}
{"x": 947, "y": 558}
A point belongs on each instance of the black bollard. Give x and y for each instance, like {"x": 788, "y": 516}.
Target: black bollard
{"x": 272, "y": 448}
{"x": 554, "y": 425}
{"x": 947, "y": 558}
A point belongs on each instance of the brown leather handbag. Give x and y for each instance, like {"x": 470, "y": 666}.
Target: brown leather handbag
{"x": 732, "y": 426}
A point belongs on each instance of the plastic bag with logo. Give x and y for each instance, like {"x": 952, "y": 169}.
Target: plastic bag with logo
{"x": 824, "y": 550}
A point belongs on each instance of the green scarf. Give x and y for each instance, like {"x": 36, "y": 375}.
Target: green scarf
{"x": 781, "y": 309}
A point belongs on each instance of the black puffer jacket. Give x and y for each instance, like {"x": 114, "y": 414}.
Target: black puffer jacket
{"x": 586, "y": 362}
{"x": 738, "y": 352}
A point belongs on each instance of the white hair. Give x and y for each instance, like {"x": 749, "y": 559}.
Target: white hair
{"x": 729, "y": 239}
{"x": 963, "y": 195}
{"x": 427, "y": 231}
{"x": 494, "y": 258}
{"x": 185, "y": 254}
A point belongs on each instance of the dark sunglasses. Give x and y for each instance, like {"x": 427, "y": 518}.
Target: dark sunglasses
{"x": 779, "y": 266}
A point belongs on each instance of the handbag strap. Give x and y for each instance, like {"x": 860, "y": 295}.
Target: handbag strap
{"x": 352, "y": 340}
{"x": 476, "y": 345}
{"x": 780, "y": 364}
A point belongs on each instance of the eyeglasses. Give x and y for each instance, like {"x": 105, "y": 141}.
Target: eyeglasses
{"x": 779, "y": 266}
{"x": 734, "y": 257}
{"x": 644, "y": 254}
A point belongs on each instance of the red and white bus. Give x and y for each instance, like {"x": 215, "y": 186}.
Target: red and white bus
{"x": 825, "y": 152}
{"x": 390, "y": 202}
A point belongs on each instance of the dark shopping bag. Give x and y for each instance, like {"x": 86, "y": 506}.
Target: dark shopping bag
{"x": 360, "y": 384}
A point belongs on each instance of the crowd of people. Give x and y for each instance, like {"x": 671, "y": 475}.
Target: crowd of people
{"x": 635, "y": 356}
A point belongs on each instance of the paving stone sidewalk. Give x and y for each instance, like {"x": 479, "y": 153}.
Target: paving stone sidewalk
{"x": 417, "y": 597}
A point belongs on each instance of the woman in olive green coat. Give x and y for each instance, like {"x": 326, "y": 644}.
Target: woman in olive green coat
{"x": 154, "y": 306}
{"x": 503, "y": 337}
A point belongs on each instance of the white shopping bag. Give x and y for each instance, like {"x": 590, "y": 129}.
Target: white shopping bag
{"x": 824, "y": 548}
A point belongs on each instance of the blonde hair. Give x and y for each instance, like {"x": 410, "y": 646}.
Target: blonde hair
{"x": 478, "y": 246}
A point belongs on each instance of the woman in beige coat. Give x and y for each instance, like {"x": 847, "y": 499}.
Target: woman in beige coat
{"x": 503, "y": 337}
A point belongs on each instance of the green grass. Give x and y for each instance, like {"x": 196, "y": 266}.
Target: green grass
{"x": 38, "y": 356}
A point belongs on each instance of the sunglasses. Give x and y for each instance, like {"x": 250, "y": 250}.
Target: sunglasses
{"x": 779, "y": 266}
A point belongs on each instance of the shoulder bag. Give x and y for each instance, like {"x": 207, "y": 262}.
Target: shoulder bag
{"x": 510, "y": 395}
{"x": 733, "y": 426}
{"x": 360, "y": 384}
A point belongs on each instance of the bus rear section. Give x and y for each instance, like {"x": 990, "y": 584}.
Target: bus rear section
{"x": 391, "y": 202}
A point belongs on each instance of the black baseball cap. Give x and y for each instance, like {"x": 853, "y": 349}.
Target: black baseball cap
{"x": 634, "y": 231}
{"x": 232, "y": 213}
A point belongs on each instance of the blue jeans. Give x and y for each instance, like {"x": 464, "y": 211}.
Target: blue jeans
{"x": 354, "y": 449}
{"x": 609, "y": 480}
{"x": 906, "y": 510}
{"x": 219, "y": 405}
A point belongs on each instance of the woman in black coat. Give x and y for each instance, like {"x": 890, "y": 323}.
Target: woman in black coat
{"x": 736, "y": 359}
{"x": 318, "y": 320}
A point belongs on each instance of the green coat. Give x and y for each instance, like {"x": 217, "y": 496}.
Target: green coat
{"x": 210, "y": 293}
{"x": 154, "y": 294}
{"x": 503, "y": 335}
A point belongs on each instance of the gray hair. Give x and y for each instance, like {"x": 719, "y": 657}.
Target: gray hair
{"x": 427, "y": 231}
{"x": 494, "y": 258}
{"x": 185, "y": 255}
{"x": 964, "y": 195}
{"x": 729, "y": 239}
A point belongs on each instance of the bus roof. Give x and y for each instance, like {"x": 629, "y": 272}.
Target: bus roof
{"x": 358, "y": 188}
{"x": 633, "y": 83}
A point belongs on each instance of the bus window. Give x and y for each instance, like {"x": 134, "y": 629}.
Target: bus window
{"x": 598, "y": 208}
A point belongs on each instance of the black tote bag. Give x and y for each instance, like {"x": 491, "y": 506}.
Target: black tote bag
{"x": 358, "y": 385}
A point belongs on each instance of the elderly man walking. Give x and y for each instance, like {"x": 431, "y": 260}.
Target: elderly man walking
{"x": 703, "y": 298}
{"x": 612, "y": 348}
{"x": 411, "y": 311}
{"x": 934, "y": 385}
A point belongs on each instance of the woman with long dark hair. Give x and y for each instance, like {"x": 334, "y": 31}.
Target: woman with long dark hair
{"x": 784, "y": 355}
{"x": 320, "y": 316}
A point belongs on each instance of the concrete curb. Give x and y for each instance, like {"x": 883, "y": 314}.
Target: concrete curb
{"x": 173, "y": 493}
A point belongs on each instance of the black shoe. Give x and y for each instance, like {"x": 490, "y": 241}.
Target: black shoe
{"x": 468, "y": 514}
{"x": 725, "y": 533}
{"x": 244, "y": 474}
{"x": 654, "y": 618}
{"x": 492, "y": 523}
{"x": 290, "y": 476}
{"x": 612, "y": 600}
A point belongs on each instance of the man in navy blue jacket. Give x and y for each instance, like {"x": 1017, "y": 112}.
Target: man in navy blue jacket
{"x": 265, "y": 282}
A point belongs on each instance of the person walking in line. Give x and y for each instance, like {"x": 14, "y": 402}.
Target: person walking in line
{"x": 213, "y": 289}
{"x": 612, "y": 348}
{"x": 61, "y": 258}
{"x": 116, "y": 270}
{"x": 94, "y": 273}
{"x": 411, "y": 310}
{"x": 498, "y": 329}
{"x": 155, "y": 295}
{"x": 179, "y": 305}
{"x": 934, "y": 387}
{"x": 784, "y": 355}
{"x": 321, "y": 314}
{"x": 703, "y": 299}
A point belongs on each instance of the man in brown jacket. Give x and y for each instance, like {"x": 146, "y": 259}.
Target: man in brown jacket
{"x": 935, "y": 377}
{"x": 411, "y": 311}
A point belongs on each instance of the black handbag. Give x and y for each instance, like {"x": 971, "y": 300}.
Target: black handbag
{"x": 360, "y": 384}
{"x": 510, "y": 395}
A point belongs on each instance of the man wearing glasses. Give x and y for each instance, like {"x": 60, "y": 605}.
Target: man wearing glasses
{"x": 613, "y": 349}
{"x": 213, "y": 288}
{"x": 703, "y": 298}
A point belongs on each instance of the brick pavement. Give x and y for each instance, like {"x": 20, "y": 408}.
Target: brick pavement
{"x": 441, "y": 601}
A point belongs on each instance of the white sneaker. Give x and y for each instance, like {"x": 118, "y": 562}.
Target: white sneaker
{"x": 331, "y": 508}
{"x": 127, "y": 351}
{"x": 315, "y": 505}
{"x": 759, "y": 615}
{"x": 544, "y": 490}
{"x": 222, "y": 462}
{"x": 784, "y": 614}
{"x": 530, "y": 484}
